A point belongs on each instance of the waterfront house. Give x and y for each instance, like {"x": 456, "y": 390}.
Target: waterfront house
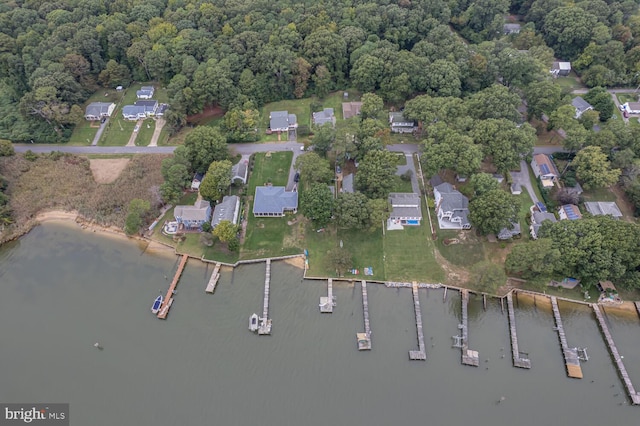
{"x": 452, "y": 207}
{"x": 193, "y": 217}
{"x": 274, "y": 201}
{"x": 405, "y": 208}
{"x": 228, "y": 209}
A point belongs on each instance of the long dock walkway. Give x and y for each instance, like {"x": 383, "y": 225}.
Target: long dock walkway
{"x": 327, "y": 303}
{"x": 469, "y": 357}
{"x": 517, "y": 360}
{"x": 168, "y": 298}
{"x": 265, "y": 322}
{"x": 421, "y": 353}
{"x": 571, "y": 359}
{"x": 364, "y": 339}
{"x": 213, "y": 281}
{"x": 635, "y": 396}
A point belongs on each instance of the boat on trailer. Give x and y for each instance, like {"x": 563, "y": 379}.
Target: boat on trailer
{"x": 157, "y": 304}
{"x": 253, "y": 322}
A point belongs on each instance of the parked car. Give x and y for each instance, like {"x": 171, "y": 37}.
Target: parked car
{"x": 625, "y": 114}
{"x": 296, "y": 177}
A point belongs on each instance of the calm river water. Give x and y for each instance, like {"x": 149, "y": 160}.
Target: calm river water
{"x": 64, "y": 289}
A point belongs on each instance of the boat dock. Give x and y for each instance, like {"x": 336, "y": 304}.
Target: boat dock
{"x": 469, "y": 357}
{"x": 635, "y": 396}
{"x": 571, "y": 359}
{"x": 265, "y": 322}
{"x": 213, "y": 281}
{"x": 518, "y": 361}
{"x": 420, "y": 354}
{"x": 364, "y": 339}
{"x": 327, "y": 303}
{"x": 168, "y": 299}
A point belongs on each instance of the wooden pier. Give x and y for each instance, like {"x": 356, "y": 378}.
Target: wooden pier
{"x": 327, "y": 303}
{"x": 571, "y": 359}
{"x": 469, "y": 357}
{"x": 168, "y": 298}
{"x": 213, "y": 281}
{"x": 265, "y": 322}
{"x": 364, "y": 339}
{"x": 518, "y": 361}
{"x": 420, "y": 354}
{"x": 635, "y": 396}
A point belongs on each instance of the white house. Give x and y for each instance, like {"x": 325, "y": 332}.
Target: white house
{"x": 145, "y": 92}
{"x": 98, "y": 110}
{"x": 140, "y": 110}
{"x": 405, "y": 208}
{"x": 631, "y": 107}
{"x": 228, "y": 209}
{"x": 452, "y": 207}
{"x": 560, "y": 69}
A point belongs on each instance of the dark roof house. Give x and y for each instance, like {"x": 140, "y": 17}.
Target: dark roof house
{"x": 274, "y": 201}
{"x": 537, "y": 217}
{"x": 510, "y": 232}
{"x": 400, "y": 124}
{"x": 196, "y": 181}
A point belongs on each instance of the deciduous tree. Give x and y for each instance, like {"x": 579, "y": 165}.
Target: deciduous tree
{"x": 593, "y": 168}
{"x": 316, "y": 203}
{"x": 375, "y": 173}
{"x": 493, "y": 210}
{"x": 225, "y": 231}
{"x": 205, "y": 145}
{"x": 216, "y": 181}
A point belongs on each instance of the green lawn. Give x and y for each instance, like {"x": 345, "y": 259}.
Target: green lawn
{"x": 626, "y": 97}
{"x": 400, "y": 185}
{"x": 599, "y": 194}
{"x": 570, "y": 82}
{"x": 145, "y": 132}
{"x": 274, "y": 168}
{"x": 118, "y": 132}
{"x": 83, "y": 133}
{"x": 468, "y": 251}
{"x": 409, "y": 254}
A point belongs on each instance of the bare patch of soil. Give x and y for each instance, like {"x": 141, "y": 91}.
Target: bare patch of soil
{"x": 211, "y": 111}
{"x": 455, "y": 275}
{"x": 107, "y": 170}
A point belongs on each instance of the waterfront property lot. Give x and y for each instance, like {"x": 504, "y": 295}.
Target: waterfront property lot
{"x": 269, "y": 236}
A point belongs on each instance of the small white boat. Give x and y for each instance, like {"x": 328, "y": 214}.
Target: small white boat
{"x": 253, "y": 322}
{"x": 157, "y": 304}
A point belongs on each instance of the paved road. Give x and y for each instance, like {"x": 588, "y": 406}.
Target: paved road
{"x": 550, "y": 149}
{"x": 83, "y": 150}
{"x": 522, "y": 177}
{"x": 414, "y": 176}
{"x": 103, "y": 126}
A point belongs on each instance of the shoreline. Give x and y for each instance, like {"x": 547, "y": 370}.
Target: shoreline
{"x": 153, "y": 247}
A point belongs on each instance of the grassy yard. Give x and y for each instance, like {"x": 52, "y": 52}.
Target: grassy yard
{"x": 145, "y": 132}
{"x": 570, "y": 82}
{"x": 118, "y": 132}
{"x": 599, "y": 194}
{"x": 466, "y": 249}
{"x": 400, "y": 185}
{"x": 83, "y": 133}
{"x": 271, "y": 236}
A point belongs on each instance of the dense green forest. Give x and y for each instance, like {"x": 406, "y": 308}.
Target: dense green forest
{"x": 54, "y": 54}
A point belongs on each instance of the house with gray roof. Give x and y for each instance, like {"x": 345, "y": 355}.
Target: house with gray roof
{"x": 600, "y": 208}
{"x": 509, "y": 232}
{"x": 511, "y": 29}
{"x": 274, "y": 201}
{"x": 537, "y": 217}
{"x": 98, "y": 110}
{"x": 452, "y": 207}
{"x": 140, "y": 110}
{"x": 240, "y": 171}
{"x": 400, "y": 124}
{"x": 326, "y": 116}
{"x": 581, "y": 106}
{"x": 228, "y": 209}
{"x": 347, "y": 183}
{"x": 193, "y": 217}
{"x": 282, "y": 121}
{"x": 405, "y": 208}
{"x": 145, "y": 92}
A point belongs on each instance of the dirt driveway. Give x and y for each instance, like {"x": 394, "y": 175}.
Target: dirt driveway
{"x": 156, "y": 132}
